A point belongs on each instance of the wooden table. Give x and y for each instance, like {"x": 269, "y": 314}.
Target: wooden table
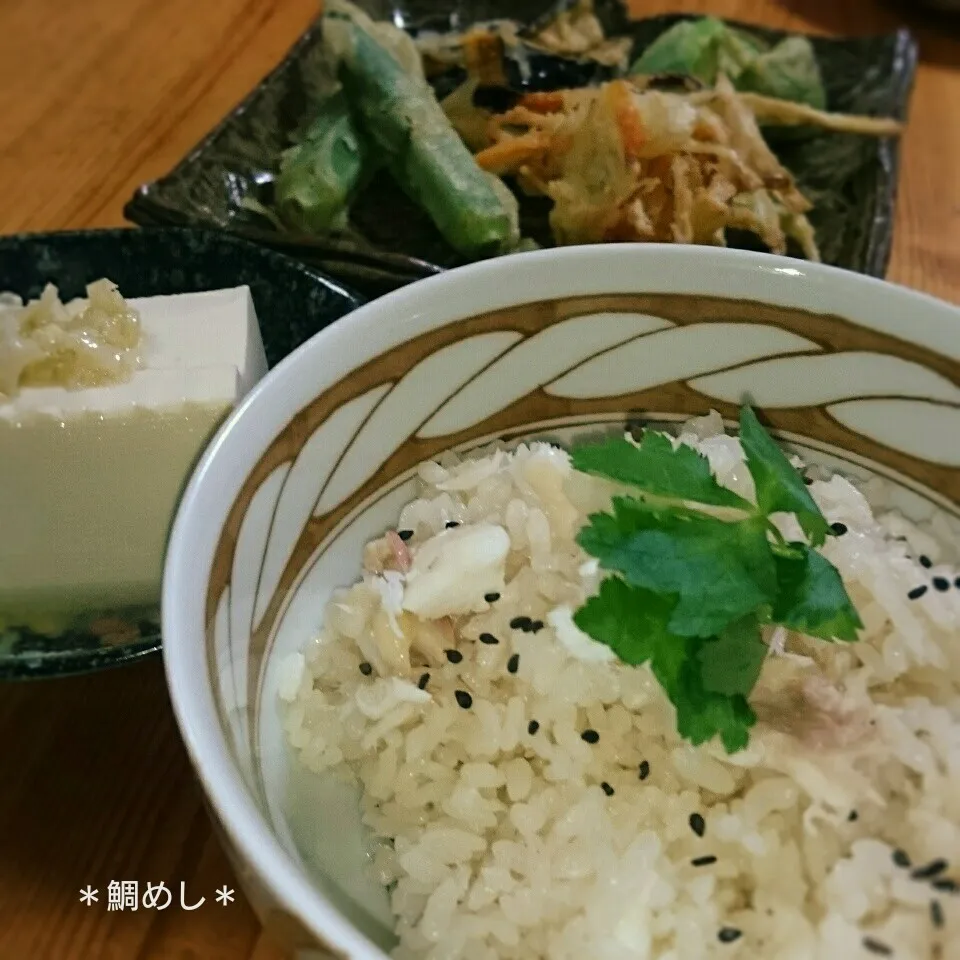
{"x": 96, "y": 97}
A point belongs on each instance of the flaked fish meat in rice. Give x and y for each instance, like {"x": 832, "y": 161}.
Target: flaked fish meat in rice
{"x": 529, "y": 794}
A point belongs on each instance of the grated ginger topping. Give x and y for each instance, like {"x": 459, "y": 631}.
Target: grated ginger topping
{"x": 88, "y": 342}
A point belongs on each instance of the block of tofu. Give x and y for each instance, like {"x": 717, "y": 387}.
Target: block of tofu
{"x": 90, "y": 478}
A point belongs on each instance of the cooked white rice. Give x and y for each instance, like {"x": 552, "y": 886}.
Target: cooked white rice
{"x": 503, "y": 833}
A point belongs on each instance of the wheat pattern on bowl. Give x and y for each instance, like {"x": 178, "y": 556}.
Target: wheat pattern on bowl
{"x": 856, "y": 374}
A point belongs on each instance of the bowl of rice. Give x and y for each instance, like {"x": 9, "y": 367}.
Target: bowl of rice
{"x": 589, "y": 603}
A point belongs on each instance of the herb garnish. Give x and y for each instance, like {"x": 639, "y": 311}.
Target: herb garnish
{"x": 691, "y": 590}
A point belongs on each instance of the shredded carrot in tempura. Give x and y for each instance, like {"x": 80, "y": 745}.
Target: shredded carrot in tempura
{"x": 543, "y": 101}
{"x": 627, "y": 116}
{"x": 512, "y": 152}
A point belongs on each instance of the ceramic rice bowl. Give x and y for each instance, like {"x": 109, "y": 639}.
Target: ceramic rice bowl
{"x": 855, "y": 374}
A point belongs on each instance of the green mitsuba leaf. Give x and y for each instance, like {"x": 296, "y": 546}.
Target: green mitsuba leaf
{"x": 703, "y": 714}
{"x": 812, "y": 599}
{"x": 718, "y": 571}
{"x": 655, "y": 467}
{"x": 730, "y": 664}
{"x": 690, "y": 591}
{"x": 780, "y": 488}
{"x": 633, "y": 623}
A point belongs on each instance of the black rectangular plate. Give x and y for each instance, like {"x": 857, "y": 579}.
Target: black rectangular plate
{"x": 851, "y": 180}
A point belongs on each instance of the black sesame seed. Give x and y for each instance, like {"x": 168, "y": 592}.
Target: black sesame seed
{"x": 901, "y": 859}
{"x": 697, "y": 824}
{"x": 404, "y": 534}
{"x": 536, "y": 626}
{"x": 853, "y": 816}
{"x": 946, "y": 885}
{"x": 644, "y": 769}
{"x": 925, "y": 561}
{"x": 532, "y": 727}
{"x": 876, "y": 947}
{"x": 423, "y": 681}
{"x": 936, "y": 914}
{"x": 489, "y": 639}
{"x": 941, "y": 583}
{"x": 917, "y": 592}
{"x": 450, "y": 524}
{"x": 838, "y": 528}
{"x": 491, "y": 597}
{"x": 366, "y": 668}
{"x": 930, "y": 870}
{"x": 590, "y": 736}
{"x": 464, "y": 699}
{"x": 729, "y": 934}
{"x": 606, "y": 788}
{"x": 513, "y": 664}
{"x": 454, "y": 656}
{"x": 520, "y": 623}
{"x": 703, "y": 861}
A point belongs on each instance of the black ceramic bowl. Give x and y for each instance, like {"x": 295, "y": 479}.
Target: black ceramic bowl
{"x": 851, "y": 180}
{"x": 293, "y": 301}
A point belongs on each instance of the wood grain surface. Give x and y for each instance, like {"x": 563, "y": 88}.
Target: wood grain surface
{"x": 95, "y": 98}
